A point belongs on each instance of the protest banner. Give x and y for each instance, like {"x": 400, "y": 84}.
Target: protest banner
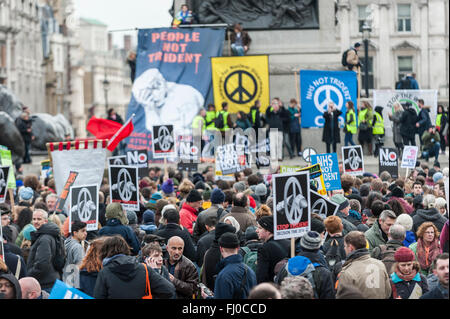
{"x": 84, "y": 206}
{"x": 61, "y": 203}
{"x": 61, "y": 290}
{"x": 87, "y": 157}
{"x": 124, "y": 186}
{"x": 388, "y": 161}
{"x": 387, "y": 98}
{"x": 46, "y": 169}
{"x": 4, "y": 173}
{"x": 188, "y": 154}
{"x": 320, "y": 87}
{"x": 173, "y": 80}
{"x": 5, "y": 160}
{"x": 138, "y": 158}
{"x": 163, "y": 141}
{"x": 322, "y": 206}
{"x": 289, "y": 168}
{"x": 292, "y": 209}
{"x": 315, "y": 177}
{"x": 227, "y": 160}
{"x": 353, "y": 160}
{"x": 117, "y": 160}
{"x": 409, "y": 157}
{"x": 329, "y": 165}
{"x": 240, "y": 81}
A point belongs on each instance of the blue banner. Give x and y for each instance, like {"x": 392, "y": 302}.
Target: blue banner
{"x": 320, "y": 87}
{"x": 61, "y": 290}
{"x": 173, "y": 80}
{"x": 329, "y": 165}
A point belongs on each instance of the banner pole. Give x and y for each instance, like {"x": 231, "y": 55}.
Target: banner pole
{"x": 11, "y": 198}
{"x": 292, "y": 247}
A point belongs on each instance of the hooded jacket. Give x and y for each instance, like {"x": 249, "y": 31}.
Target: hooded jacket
{"x": 409, "y": 239}
{"x": 115, "y": 227}
{"x": 122, "y": 277}
{"x": 188, "y": 216}
{"x": 171, "y": 230}
{"x": 408, "y": 123}
{"x": 42, "y": 252}
{"x": 15, "y": 282}
{"x": 428, "y": 215}
{"x": 269, "y": 254}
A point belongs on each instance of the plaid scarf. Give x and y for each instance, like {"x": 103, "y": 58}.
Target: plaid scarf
{"x": 425, "y": 255}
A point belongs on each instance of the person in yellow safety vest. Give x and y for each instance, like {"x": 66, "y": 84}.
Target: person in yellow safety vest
{"x": 442, "y": 126}
{"x": 199, "y": 121}
{"x": 378, "y": 129}
{"x": 350, "y": 123}
{"x": 365, "y": 118}
{"x": 223, "y": 119}
{"x": 210, "y": 118}
{"x": 255, "y": 115}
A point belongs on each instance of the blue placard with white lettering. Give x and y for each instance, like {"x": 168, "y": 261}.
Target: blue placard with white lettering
{"x": 320, "y": 87}
{"x": 61, "y": 290}
{"x": 329, "y": 165}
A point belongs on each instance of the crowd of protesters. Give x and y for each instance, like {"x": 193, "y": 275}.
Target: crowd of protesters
{"x": 198, "y": 237}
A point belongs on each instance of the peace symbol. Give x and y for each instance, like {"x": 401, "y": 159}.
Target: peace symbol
{"x": 124, "y": 185}
{"x": 328, "y": 89}
{"x": 118, "y": 161}
{"x": 240, "y": 91}
{"x": 85, "y": 205}
{"x": 2, "y": 180}
{"x": 307, "y": 152}
{"x": 321, "y": 207}
{"x": 295, "y": 203}
{"x": 353, "y": 159}
{"x": 164, "y": 138}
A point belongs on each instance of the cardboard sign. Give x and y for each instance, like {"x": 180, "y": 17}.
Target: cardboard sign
{"x": 315, "y": 177}
{"x": 84, "y": 206}
{"x": 124, "y": 186}
{"x": 353, "y": 160}
{"x": 322, "y": 206}
{"x": 388, "y": 161}
{"x": 227, "y": 159}
{"x": 163, "y": 143}
{"x": 117, "y": 160}
{"x": 4, "y": 173}
{"x": 139, "y": 159}
{"x": 329, "y": 165}
{"x": 292, "y": 205}
{"x": 409, "y": 157}
{"x": 65, "y": 192}
{"x": 5, "y": 160}
{"x": 61, "y": 290}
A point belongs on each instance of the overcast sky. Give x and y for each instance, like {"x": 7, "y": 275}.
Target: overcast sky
{"x": 126, "y": 14}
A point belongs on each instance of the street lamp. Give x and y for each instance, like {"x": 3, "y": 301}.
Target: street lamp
{"x": 366, "y": 29}
{"x": 106, "y": 89}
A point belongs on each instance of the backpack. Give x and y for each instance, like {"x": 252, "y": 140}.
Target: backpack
{"x": 219, "y": 121}
{"x": 332, "y": 256}
{"x": 387, "y": 257}
{"x": 59, "y": 260}
{"x": 250, "y": 257}
{"x": 344, "y": 58}
{"x": 404, "y": 84}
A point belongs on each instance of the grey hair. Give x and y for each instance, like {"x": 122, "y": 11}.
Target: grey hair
{"x": 43, "y": 212}
{"x": 385, "y": 214}
{"x": 397, "y": 232}
{"x": 429, "y": 201}
{"x": 50, "y": 196}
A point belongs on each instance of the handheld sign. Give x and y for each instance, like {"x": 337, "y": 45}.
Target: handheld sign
{"x": 124, "y": 186}
{"x": 139, "y": 159}
{"x": 329, "y": 165}
{"x": 292, "y": 213}
{"x": 322, "y": 206}
{"x": 4, "y": 171}
{"x": 388, "y": 161}
{"x": 409, "y": 157}
{"x": 307, "y": 153}
{"x": 315, "y": 177}
{"x": 5, "y": 160}
{"x": 84, "y": 206}
{"x": 227, "y": 159}
{"x": 353, "y": 160}
{"x": 163, "y": 143}
{"x": 61, "y": 290}
{"x": 65, "y": 192}
{"x": 117, "y": 160}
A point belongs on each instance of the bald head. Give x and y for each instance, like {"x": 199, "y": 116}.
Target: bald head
{"x": 265, "y": 291}
{"x": 31, "y": 289}
{"x": 175, "y": 248}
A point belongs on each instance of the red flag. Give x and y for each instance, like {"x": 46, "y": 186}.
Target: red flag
{"x": 122, "y": 133}
{"x": 102, "y": 128}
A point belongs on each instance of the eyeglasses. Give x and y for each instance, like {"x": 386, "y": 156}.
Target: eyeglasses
{"x": 6, "y": 284}
{"x": 429, "y": 232}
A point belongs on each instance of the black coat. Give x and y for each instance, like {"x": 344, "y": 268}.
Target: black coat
{"x": 13, "y": 260}
{"x": 171, "y": 230}
{"x": 424, "y": 121}
{"x": 329, "y": 135}
{"x": 405, "y": 288}
{"x": 269, "y": 254}
{"x": 428, "y": 215}
{"x": 209, "y": 271}
{"x": 408, "y": 123}
{"x": 123, "y": 277}
{"x": 115, "y": 227}
{"x": 40, "y": 258}
{"x": 87, "y": 281}
{"x": 203, "y": 245}
{"x": 275, "y": 119}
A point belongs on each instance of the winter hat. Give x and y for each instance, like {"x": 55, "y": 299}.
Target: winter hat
{"x": 229, "y": 240}
{"x": 266, "y": 222}
{"x": 200, "y": 185}
{"x": 115, "y": 210}
{"x": 217, "y": 196}
{"x": 197, "y": 177}
{"x": 341, "y": 201}
{"x": 250, "y": 233}
{"x": 143, "y": 183}
{"x": 27, "y": 230}
{"x": 252, "y": 202}
{"x": 132, "y": 217}
{"x": 26, "y": 193}
{"x": 153, "y": 200}
{"x": 222, "y": 228}
{"x": 398, "y": 192}
{"x": 194, "y": 196}
{"x": 437, "y": 176}
{"x": 436, "y": 164}
{"x": 297, "y": 265}
{"x": 261, "y": 190}
{"x": 239, "y": 187}
{"x": 403, "y": 255}
{"x": 148, "y": 217}
{"x": 311, "y": 241}
{"x": 167, "y": 186}
{"x": 317, "y": 225}
{"x": 167, "y": 207}
{"x": 233, "y": 222}
{"x": 405, "y": 220}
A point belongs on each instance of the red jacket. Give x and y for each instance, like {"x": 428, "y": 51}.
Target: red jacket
{"x": 188, "y": 215}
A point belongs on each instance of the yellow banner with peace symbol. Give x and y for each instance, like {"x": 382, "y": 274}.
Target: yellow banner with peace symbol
{"x": 240, "y": 81}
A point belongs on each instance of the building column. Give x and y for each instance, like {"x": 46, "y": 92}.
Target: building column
{"x": 385, "y": 55}
{"x": 423, "y": 62}
{"x": 344, "y": 23}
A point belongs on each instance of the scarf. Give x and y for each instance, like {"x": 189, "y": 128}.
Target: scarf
{"x": 426, "y": 255}
{"x": 355, "y": 214}
{"x": 407, "y": 277}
